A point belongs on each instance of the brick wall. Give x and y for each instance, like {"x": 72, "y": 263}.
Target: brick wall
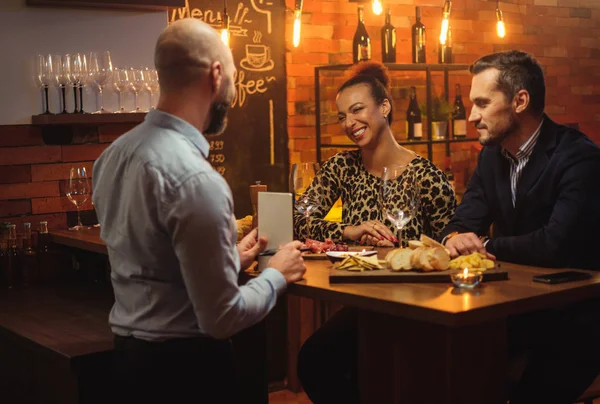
{"x": 562, "y": 34}
{"x": 33, "y": 175}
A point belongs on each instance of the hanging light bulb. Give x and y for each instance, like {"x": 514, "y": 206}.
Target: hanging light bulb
{"x": 297, "y": 22}
{"x": 225, "y": 34}
{"x": 445, "y": 21}
{"x": 377, "y": 7}
{"x": 500, "y": 27}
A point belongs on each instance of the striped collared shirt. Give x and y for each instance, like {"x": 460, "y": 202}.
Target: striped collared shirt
{"x": 518, "y": 163}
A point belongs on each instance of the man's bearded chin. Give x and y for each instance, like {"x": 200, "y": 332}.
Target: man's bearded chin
{"x": 218, "y": 119}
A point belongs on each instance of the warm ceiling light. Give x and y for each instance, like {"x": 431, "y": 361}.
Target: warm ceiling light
{"x": 225, "y": 34}
{"x": 445, "y": 21}
{"x": 377, "y": 7}
{"x": 500, "y": 27}
{"x": 297, "y": 22}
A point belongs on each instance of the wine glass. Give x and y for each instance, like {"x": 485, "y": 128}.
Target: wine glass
{"x": 121, "y": 84}
{"x": 152, "y": 85}
{"x": 100, "y": 69}
{"x": 78, "y": 191}
{"x": 62, "y": 73}
{"x": 399, "y": 196}
{"x": 77, "y": 77}
{"x": 301, "y": 176}
{"x": 44, "y": 76}
{"x": 137, "y": 83}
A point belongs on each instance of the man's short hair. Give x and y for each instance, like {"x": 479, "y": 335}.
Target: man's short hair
{"x": 518, "y": 71}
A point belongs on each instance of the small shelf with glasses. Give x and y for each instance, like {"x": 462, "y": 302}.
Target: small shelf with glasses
{"x": 322, "y": 73}
{"x": 87, "y": 119}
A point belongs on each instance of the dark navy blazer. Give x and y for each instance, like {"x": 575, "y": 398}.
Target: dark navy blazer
{"x": 556, "y": 218}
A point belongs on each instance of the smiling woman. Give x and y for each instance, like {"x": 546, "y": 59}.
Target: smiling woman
{"x": 365, "y": 114}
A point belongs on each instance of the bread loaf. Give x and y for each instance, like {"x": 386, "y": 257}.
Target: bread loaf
{"x": 425, "y": 258}
{"x": 415, "y": 244}
{"x": 400, "y": 260}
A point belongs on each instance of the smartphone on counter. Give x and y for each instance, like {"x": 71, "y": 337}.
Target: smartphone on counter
{"x": 562, "y": 277}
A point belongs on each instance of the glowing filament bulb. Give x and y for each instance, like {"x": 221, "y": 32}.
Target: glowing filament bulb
{"x": 377, "y": 7}
{"x": 500, "y": 27}
{"x": 444, "y": 31}
{"x": 297, "y": 23}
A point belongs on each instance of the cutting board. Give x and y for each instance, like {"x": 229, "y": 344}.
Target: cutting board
{"x": 387, "y": 276}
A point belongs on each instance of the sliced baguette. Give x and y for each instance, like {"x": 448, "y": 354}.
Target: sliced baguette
{"x": 424, "y": 258}
{"x": 414, "y": 244}
{"x": 389, "y": 255}
{"x": 400, "y": 261}
{"x": 429, "y": 242}
{"x": 415, "y": 258}
{"x": 439, "y": 258}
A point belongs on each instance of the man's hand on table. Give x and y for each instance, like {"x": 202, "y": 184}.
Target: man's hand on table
{"x": 288, "y": 260}
{"x": 465, "y": 244}
{"x": 249, "y": 248}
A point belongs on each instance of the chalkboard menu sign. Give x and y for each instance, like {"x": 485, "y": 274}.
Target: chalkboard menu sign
{"x": 254, "y": 145}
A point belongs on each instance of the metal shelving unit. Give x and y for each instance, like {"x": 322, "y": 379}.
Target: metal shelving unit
{"x": 428, "y": 69}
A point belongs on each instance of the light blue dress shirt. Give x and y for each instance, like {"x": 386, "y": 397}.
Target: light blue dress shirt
{"x": 167, "y": 219}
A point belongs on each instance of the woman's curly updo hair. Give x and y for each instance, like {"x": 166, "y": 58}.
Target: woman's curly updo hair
{"x": 376, "y": 76}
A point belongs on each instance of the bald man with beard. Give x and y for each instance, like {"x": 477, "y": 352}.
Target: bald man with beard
{"x": 167, "y": 219}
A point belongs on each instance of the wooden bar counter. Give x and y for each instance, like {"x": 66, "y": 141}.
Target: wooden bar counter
{"x": 55, "y": 344}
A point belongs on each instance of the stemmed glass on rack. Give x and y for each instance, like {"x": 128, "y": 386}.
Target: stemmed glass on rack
{"x": 78, "y": 77}
{"x": 301, "y": 176}
{"x": 78, "y": 191}
{"x": 120, "y": 84}
{"x": 100, "y": 68}
{"x": 138, "y": 83}
{"x": 152, "y": 85}
{"x": 44, "y": 76}
{"x": 62, "y": 73}
{"x": 399, "y": 196}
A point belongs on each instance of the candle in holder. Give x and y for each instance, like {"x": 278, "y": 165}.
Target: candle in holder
{"x": 466, "y": 279}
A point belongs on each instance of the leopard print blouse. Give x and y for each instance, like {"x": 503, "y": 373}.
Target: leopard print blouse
{"x": 345, "y": 176}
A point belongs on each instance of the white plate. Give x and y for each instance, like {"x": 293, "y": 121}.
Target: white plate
{"x": 340, "y": 255}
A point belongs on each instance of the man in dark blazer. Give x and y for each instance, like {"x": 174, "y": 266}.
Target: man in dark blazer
{"x": 536, "y": 186}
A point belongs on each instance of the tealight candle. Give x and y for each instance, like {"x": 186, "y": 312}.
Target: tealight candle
{"x": 466, "y": 279}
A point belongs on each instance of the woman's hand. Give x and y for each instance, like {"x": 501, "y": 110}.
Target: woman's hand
{"x": 372, "y": 232}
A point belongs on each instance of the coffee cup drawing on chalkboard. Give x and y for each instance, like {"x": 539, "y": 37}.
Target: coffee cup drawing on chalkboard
{"x": 258, "y": 58}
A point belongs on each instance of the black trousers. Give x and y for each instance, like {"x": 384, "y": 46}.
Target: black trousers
{"x": 562, "y": 347}
{"x": 195, "y": 370}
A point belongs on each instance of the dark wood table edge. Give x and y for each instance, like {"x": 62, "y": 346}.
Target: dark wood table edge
{"x": 62, "y": 239}
{"x": 450, "y": 319}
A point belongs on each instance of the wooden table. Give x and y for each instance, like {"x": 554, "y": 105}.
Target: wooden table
{"x": 432, "y": 343}
{"x": 425, "y": 340}
{"x": 86, "y": 239}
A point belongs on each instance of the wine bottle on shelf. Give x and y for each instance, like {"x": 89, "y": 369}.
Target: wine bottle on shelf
{"x": 418, "y": 39}
{"x": 459, "y": 115}
{"x": 29, "y": 264}
{"x": 14, "y": 275}
{"x": 445, "y": 50}
{"x": 388, "y": 39}
{"x": 361, "y": 45}
{"x": 414, "y": 127}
